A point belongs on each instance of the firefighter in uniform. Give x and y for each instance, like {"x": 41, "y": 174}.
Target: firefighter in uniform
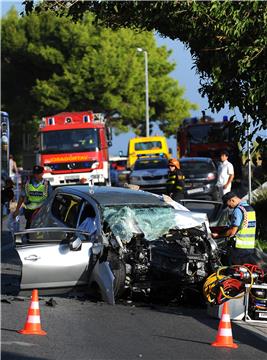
{"x": 175, "y": 182}
{"x": 34, "y": 193}
{"x": 242, "y": 229}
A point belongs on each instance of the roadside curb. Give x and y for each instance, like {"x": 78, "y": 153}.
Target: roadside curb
{"x": 254, "y": 328}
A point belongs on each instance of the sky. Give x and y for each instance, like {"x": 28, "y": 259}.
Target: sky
{"x": 184, "y": 73}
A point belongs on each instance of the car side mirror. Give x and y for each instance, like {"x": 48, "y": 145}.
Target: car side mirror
{"x": 76, "y": 244}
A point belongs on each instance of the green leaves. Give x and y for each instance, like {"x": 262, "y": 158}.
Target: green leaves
{"x": 52, "y": 64}
{"x": 227, "y": 40}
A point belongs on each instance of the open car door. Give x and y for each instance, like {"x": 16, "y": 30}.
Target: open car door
{"x": 213, "y": 209}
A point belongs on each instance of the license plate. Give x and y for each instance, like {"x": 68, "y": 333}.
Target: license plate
{"x": 193, "y": 191}
{"x": 263, "y": 315}
{"x": 71, "y": 177}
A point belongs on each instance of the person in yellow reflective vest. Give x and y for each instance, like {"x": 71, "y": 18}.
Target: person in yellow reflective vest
{"x": 242, "y": 230}
{"x": 175, "y": 182}
{"x": 33, "y": 194}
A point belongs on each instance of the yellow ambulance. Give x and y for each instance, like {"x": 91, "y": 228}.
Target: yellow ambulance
{"x": 147, "y": 146}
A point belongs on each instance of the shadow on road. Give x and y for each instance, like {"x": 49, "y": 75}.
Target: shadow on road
{"x": 17, "y": 356}
{"x": 241, "y": 335}
{"x": 182, "y": 339}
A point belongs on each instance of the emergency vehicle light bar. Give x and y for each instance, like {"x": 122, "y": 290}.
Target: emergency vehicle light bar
{"x": 99, "y": 117}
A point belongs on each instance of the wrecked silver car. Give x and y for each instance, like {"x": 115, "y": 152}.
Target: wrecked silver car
{"x": 135, "y": 241}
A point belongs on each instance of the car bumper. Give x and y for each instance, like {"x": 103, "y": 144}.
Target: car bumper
{"x": 74, "y": 178}
{"x": 156, "y": 185}
{"x": 200, "y": 191}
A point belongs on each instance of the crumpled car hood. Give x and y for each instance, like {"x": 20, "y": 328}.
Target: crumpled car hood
{"x": 187, "y": 219}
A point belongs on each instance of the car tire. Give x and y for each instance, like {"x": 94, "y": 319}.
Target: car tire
{"x": 119, "y": 271}
{"x": 119, "y": 281}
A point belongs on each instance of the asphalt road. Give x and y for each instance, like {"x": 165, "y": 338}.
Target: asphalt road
{"x": 84, "y": 330}
{"x": 81, "y": 329}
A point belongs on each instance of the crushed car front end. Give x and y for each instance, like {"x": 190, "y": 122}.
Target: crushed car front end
{"x": 155, "y": 252}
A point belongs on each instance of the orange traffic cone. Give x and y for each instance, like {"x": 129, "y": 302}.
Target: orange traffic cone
{"x": 33, "y": 323}
{"x": 224, "y": 337}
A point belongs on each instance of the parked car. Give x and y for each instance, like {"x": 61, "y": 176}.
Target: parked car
{"x": 200, "y": 177}
{"x": 141, "y": 243}
{"x": 150, "y": 173}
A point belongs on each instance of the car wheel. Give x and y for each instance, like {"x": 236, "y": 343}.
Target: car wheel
{"x": 119, "y": 281}
{"x": 119, "y": 272}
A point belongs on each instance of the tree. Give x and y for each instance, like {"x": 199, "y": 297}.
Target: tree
{"x": 227, "y": 40}
{"x": 51, "y": 64}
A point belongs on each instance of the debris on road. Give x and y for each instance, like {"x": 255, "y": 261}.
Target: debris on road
{"x": 51, "y": 302}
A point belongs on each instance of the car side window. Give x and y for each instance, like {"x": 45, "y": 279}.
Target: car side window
{"x": 66, "y": 208}
{"x": 88, "y": 211}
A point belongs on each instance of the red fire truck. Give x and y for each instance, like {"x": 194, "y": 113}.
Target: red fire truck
{"x": 74, "y": 148}
{"x": 203, "y": 137}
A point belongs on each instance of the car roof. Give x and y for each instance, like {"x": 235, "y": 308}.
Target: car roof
{"x": 203, "y": 159}
{"x": 108, "y": 195}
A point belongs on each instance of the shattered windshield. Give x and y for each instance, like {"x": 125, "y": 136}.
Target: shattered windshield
{"x": 152, "y": 221}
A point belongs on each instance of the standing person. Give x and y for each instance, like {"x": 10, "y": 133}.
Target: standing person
{"x": 34, "y": 193}
{"x": 242, "y": 229}
{"x": 175, "y": 182}
{"x": 7, "y": 195}
{"x": 13, "y": 170}
{"x": 225, "y": 174}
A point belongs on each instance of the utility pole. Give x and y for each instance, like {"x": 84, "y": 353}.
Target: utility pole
{"x": 249, "y": 160}
{"x": 147, "y": 94}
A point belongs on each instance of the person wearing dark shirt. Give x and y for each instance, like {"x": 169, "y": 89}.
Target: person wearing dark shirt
{"x": 7, "y": 194}
{"x": 175, "y": 182}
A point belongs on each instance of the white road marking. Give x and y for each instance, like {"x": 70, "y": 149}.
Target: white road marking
{"x": 21, "y": 343}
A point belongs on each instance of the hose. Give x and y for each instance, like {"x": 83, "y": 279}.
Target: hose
{"x": 223, "y": 285}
